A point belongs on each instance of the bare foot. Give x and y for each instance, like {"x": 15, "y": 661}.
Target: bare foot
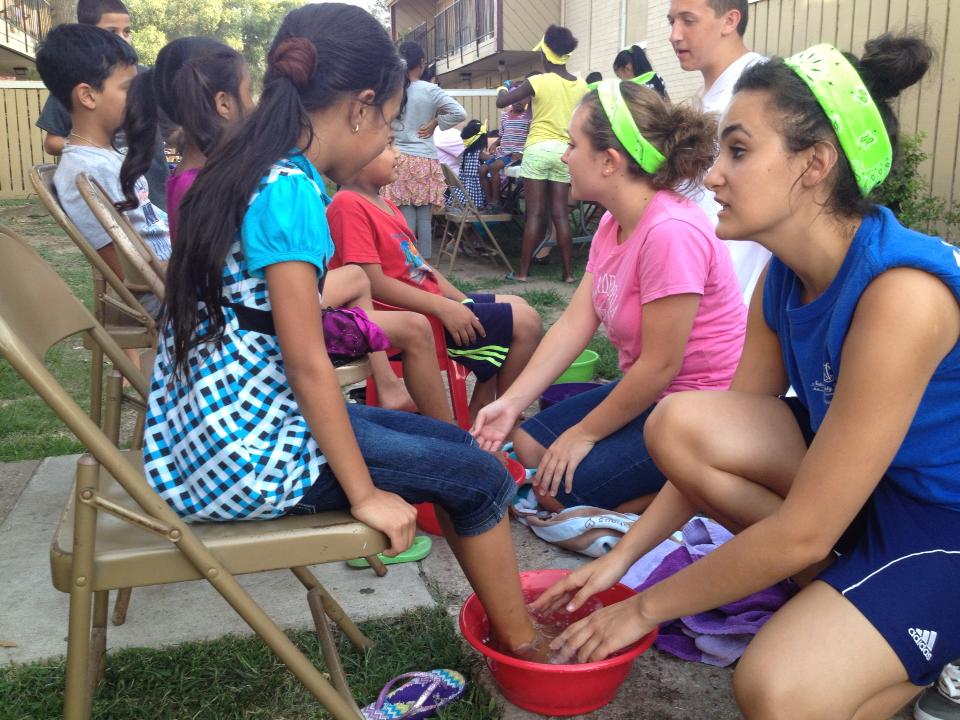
{"x": 537, "y": 650}
{"x": 396, "y": 397}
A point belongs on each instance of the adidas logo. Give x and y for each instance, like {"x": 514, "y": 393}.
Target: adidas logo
{"x": 925, "y": 640}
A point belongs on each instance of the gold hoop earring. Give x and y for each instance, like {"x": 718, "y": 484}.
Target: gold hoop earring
{"x": 356, "y": 128}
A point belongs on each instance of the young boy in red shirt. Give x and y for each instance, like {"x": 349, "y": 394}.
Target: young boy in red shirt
{"x": 491, "y": 335}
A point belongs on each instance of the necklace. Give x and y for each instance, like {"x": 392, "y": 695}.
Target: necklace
{"x": 87, "y": 140}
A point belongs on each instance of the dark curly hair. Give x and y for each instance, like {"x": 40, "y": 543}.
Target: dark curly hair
{"x": 685, "y": 137}
{"x": 560, "y": 40}
{"x": 889, "y": 65}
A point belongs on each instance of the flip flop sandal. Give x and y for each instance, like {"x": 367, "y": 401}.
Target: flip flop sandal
{"x": 420, "y": 697}
{"x": 418, "y": 550}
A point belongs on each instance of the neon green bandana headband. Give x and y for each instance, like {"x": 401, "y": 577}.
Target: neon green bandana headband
{"x": 473, "y": 138}
{"x": 624, "y": 126}
{"x": 855, "y": 117}
{"x": 551, "y": 56}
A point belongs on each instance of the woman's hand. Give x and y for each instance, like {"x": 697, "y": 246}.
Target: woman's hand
{"x": 494, "y": 423}
{"x": 426, "y": 130}
{"x": 391, "y": 515}
{"x": 560, "y": 461}
{"x": 570, "y": 593}
{"x": 603, "y": 632}
{"x": 461, "y": 322}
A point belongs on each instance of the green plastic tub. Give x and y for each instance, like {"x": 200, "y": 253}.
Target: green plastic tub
{"x": 581, "y": 370}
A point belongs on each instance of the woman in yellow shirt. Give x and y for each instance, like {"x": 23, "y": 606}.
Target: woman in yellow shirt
{"x": 546, "y": 180}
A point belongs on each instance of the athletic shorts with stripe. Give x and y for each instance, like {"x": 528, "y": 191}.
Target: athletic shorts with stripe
{"x": 486, "y": 356}
{"x": 899, "y": 564}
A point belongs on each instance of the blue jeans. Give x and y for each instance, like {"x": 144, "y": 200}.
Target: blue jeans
{"x": 618, "y": 469}
{"x": 421, "y": 460}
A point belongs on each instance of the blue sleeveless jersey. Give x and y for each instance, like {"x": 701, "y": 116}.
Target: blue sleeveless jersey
{"x": 927, "y": 466}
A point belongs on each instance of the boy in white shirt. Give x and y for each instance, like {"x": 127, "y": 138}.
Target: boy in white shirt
{"x": 707, "y": 36}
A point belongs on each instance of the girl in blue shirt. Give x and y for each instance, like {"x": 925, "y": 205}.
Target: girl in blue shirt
{"x": 853, "y": 487}
{"x": 246, "y": 418}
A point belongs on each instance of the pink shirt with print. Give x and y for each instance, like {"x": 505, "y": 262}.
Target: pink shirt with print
{"x": 672, "y": 251}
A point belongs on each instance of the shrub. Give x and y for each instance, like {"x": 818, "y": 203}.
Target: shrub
{"x": 907, "y": 194}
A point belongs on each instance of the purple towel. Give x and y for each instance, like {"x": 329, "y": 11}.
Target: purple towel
{"x": 717, "y": 637}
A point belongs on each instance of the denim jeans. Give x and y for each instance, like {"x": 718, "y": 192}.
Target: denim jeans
{"x": 617, "y": 469}
{"x": 421, "y": 460}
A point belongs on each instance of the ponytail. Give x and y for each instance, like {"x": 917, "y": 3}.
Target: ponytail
{"x": 140, "y": 130}
{"x": 685, "y": 137}
{"x": 320, "y": 52}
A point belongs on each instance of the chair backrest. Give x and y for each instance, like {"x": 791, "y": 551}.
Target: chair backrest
{"x": 137, "y": 259}
{"x": 37, "y": 310}
{"x": 459, "y": 201}
{"x": 41, "y": 177}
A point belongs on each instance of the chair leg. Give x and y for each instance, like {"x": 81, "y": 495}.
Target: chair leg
{"x": 495, "y": 244}
{"x": 457, "y": 380}
{"x": 456, "y": 245}
{"x": 78, "y": 699}
{"x": 98, "y": 641}
{"x": 333, "y": 609}
{"x": 329, "y": 647}
{"x": 377, "y": 564}
{"x": 121, "y": 605}
{"x": 96, "y": 382}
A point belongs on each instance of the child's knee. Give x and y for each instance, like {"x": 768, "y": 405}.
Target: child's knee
{"x": 510, "y": 299}
{"x": 526, "y": 323}
{"x": 413, "y": 330}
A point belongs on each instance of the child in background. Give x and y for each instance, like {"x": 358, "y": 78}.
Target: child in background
{"x": 492, "y": 335}
{"x": 474, "y": 136}
{"x": 54, "y": 120}
{"x": 245, "y": 415}
{"x": 514, "y": 126}
{"x": 546, "y": 181}
{"x": 632, "y": 62}
{"x": 204, "y": 86}
{"x": 89, "y": 71}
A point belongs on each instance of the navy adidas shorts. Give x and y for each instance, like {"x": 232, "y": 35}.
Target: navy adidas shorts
{"x": 899, "y": 564}
{"x": 486, "y": 356}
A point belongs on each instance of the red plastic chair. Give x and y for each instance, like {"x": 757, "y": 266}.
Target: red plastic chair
{"x": 456, "y": 373}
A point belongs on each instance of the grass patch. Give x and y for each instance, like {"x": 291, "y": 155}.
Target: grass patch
{"x": 238, "y": 677}
{"x": 542, "y": 299}
{"x": 608, "y": 366}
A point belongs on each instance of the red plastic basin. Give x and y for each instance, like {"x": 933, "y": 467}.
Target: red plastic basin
{"x": 557, "y": 690}
{"x": 427, "y": 514}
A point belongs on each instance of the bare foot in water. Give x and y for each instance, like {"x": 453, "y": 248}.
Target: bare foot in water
{"x": 537, "y": 650}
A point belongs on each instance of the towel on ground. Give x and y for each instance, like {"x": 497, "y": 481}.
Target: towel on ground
{"x": 717, "y": 637}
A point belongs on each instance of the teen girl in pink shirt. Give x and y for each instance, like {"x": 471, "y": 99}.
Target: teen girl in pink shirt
{"x": 658, "y": 279}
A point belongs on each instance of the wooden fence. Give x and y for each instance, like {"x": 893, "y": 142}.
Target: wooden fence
{"x": 21, "y": 142}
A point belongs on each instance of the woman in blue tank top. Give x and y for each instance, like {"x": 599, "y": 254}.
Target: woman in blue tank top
{"x": 851, "y": 488}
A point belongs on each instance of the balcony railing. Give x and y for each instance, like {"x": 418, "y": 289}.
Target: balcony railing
{"x": 464, "y": 23}
{"x": 24, "y": 24}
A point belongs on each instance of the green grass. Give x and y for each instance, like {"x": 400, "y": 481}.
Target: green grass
{"x": 238, "y": 677}
{"x": 607, "y": 367}
{"x": 541, "y": 300}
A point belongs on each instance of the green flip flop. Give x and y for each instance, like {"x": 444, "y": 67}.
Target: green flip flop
{"x": 417, "y": 551}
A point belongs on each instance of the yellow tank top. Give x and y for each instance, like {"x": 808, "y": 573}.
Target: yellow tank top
{"x": 553, "y": 104}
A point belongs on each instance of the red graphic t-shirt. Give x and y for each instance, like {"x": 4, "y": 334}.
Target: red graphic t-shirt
{"x": 363, "y": 233}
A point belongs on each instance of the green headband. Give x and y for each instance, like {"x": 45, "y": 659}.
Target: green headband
{"x": 847, "y": 103}
{"x": 623, "y": 124}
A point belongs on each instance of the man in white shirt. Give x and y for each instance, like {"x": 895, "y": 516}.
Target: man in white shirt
{"x": 707, "y": 36}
